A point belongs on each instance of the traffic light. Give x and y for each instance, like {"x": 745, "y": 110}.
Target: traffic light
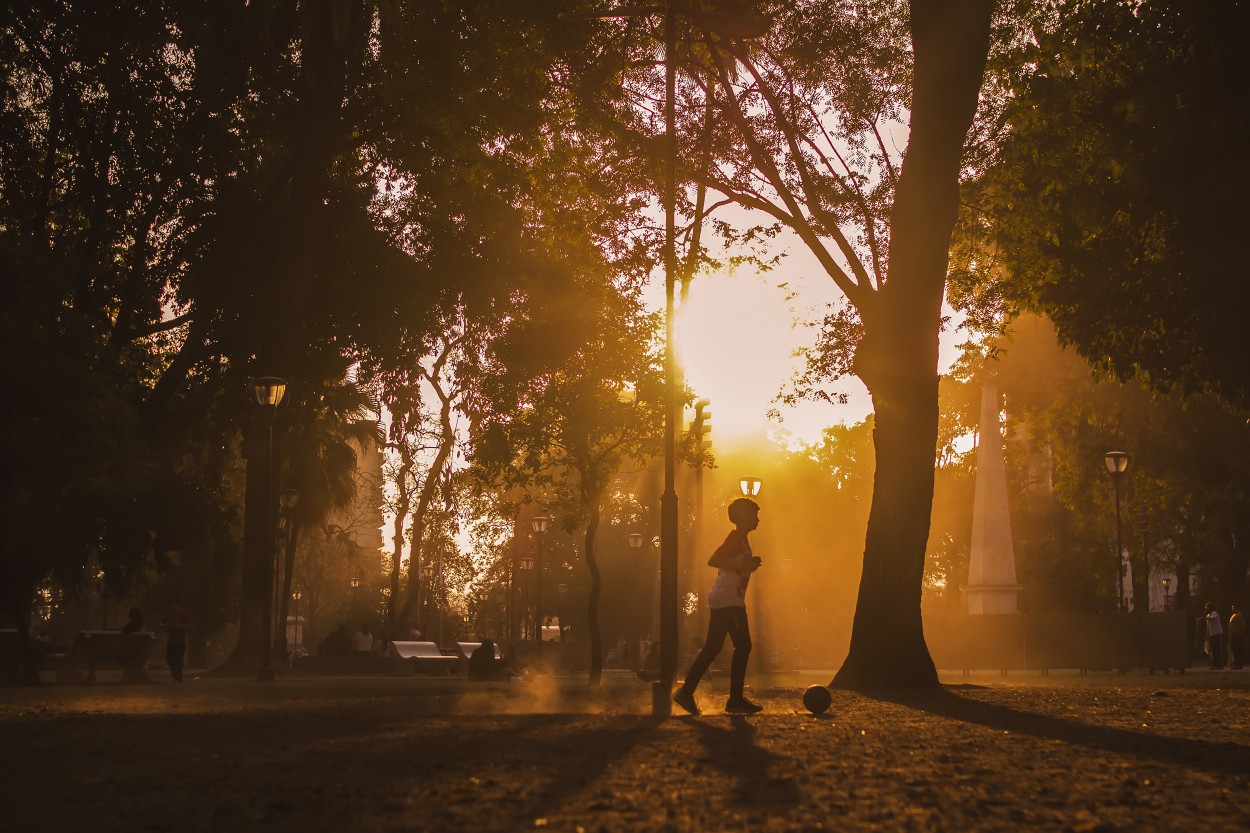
{"x": 702, "y": 426}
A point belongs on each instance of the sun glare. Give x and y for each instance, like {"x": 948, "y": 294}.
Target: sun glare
{"x": 736, "y": 342}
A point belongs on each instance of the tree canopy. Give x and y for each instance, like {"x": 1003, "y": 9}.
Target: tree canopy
{"x": 1107, "y": 205}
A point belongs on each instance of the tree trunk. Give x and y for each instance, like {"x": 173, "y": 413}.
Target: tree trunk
{"x": 897, "y": 359}
{"x": 257, "y": 570}
{"x": 394, "y": 623}
{"x": 887, "y": 640}
{"x": 592, "y": 604}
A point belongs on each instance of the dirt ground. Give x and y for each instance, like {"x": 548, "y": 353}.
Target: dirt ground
{"x": 1065, "y": 753}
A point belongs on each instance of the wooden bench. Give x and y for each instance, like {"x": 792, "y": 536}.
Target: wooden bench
{"x": 424, "y": 657}
{"x": 127, "y": 650}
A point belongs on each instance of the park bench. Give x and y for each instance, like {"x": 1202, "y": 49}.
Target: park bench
{"x": 464, "y": 650}
{"x": 424, "y": 657}
{"x": 127, "y": 650}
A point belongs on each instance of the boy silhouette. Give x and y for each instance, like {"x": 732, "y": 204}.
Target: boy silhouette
{"x": 727, "y": 599}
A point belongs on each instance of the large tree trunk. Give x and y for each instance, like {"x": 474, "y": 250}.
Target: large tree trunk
{"x": 592, "y": 604}
{"x": 257, "y": 582}
{"x": 897, "y": 358}
{"x": 394, "y": 619}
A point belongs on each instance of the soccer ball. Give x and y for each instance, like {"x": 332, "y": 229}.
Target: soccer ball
{"x": 817, "y": 699}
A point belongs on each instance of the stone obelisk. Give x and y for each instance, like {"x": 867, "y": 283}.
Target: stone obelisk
{"x": 992, "y": 586}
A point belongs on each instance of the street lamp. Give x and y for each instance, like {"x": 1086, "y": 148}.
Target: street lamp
{"x": 729, "y": 25}
{"x": 1167, "y": 583}
{"x": 296, "y": 595}
{"x": 539, "y": 524}
{"x": 269, "y": 391}
{"x": 1117, "y": 462}
{"x": 527, "y": 564}
{"x": 563, "y": 590}
{"x": 635, "y": 540}
{"x": 355, "y": 583}
{"x": 749, "y": 486}
{"x": 287, "y": 501}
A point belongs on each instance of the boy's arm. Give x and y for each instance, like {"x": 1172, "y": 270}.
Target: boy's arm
{"x": 728, "y": 556}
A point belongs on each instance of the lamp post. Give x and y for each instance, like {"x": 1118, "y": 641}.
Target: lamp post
{"x": 442, "y": 594}
{"x": 288, "y": 499}
{"x": 1167, "y": 583}
{"x": 563, "y": 590}
{"x": 1117, "y": 462}
{"x": 635, "y": 541}
{"x": 539, "y": 524}
{"x": 269, "y": 391}
{"x": 355, "y": 583}
{"x": 749, "y": 486}
{"x": 527, "y": 564}
{"x": 500, "y": 598}
{"x": 427, "y": 575}
{"x": 296, "y": 595}
{"x": 728, "y": 25}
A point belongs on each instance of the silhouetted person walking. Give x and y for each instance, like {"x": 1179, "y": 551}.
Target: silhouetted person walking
{"x": 1237, "y": 638}
{"x": 727, "y": 600}
{"x": 1215, "y": 636}
{"x": 177, "y": 623}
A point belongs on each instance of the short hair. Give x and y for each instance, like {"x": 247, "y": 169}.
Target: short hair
{"x": 741, "y": 508}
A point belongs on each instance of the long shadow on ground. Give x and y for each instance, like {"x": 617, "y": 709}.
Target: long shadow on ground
{"x": 1216, "y": 757}
{"x": 315, "y": 766}
{"x": 734, "y": 752}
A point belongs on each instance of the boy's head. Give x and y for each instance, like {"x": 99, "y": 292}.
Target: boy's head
{"x": 742, "y": 511}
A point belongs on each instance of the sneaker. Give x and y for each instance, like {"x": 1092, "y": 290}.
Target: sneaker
{"x": 741, "y": 705}
{"x": 685, "y": 699}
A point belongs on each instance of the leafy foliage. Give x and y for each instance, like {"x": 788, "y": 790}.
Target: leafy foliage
{"x": 1096, "y": 210}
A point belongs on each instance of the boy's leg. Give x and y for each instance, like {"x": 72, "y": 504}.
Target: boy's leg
{"x": 717, "y": 628}
{"x": 740, "y": 633}
{"x": 173, "y": 657}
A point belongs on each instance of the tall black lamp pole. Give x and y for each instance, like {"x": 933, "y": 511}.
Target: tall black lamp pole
{"x": 1117, "y": 463}
{"x": 269, "y": 391}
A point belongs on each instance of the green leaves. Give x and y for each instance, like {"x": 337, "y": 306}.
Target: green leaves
{"x": 1109, "y": 208}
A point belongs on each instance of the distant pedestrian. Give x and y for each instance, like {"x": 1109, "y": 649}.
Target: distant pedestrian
{"x": 362, "y": 641}
{"x": 1237, "y": 638}
{"x": 134, "y": 622}
{"x": 336, "y": 644}
{"x": 513, "y": 663}
{"x": 1215, "y": 636}
{"x": 727, "y": 599}
{"x": 177, "y": 624}
{"x": 484, "y": 666}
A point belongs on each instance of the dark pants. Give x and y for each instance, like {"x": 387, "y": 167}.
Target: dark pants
{"x": 1217, "y": 650}
{"x": 1236, "y": 650}
{"x": 724, "y": 621}
{"x": 174, "y": 652}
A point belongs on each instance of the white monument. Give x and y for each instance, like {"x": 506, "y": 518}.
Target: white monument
{"x": 992, "y": 586}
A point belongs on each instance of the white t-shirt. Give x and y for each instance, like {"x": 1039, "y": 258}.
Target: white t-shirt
{"x": 730, "y": 587}
{"x": 362, "y": 643}
{"x": 1214, "y": 628}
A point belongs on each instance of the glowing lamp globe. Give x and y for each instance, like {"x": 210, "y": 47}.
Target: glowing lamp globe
{"x": 817, "y": 699}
